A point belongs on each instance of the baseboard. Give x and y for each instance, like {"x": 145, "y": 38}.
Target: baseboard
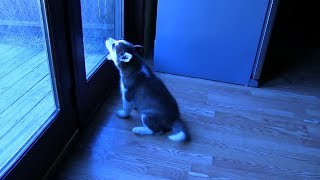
{"x": 253, "y": 83}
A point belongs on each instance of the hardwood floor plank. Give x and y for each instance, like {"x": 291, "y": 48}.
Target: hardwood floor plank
{"x": 204, "y": 145}
{"x": 253, "y": 116}
{"x": 114, "y": 170}
{"x": 245, "y": 98}
{"x": 200, "y": 171}
{"x": 114, "y": 160}
{"x": 108, "y": 137}
{"x": 146, "y": 157}
{"x": 269, "y": 106}
{"x": 265, "y": 168}
{"x": 267, "y": 126}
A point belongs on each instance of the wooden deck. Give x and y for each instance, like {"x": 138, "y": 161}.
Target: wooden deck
{"x": 26, "y": 97}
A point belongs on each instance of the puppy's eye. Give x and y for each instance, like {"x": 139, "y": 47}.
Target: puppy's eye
{"x": 113, "y": 45}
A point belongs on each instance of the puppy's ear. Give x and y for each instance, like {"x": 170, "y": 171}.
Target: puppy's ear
{"x": 126, "y": 57}
{"x": 139, "y": 49}
{"x": 137, "y": 46}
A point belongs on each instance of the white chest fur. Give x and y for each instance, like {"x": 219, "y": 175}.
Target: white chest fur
{"x": 122, "y": 88}
{"x": 127, "y": 106}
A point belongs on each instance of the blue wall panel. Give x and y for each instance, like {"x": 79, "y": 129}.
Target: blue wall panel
{"x": 209, "y": 39}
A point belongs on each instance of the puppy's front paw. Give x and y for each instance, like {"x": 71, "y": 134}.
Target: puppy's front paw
{"x": 122, "y": 114}
{"x": 142, "y": 130}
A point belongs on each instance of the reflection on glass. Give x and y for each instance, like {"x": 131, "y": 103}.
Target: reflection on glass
{"x": 27, "y": 97}
{"x": 100, "y": 19}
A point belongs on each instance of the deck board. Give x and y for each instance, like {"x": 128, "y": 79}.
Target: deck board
{"x": 18, "y": 110}
{"x": 4, "y": 48}
{"x": 29, "y": 124}
{"x": 7, "y": 55}
{"x": 12, "y": 64}
{"x": 26, "y": 96}
{"x": 11, "y": 78}
{"x": 22, "y": 86}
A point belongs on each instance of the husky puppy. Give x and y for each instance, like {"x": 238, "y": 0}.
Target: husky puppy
{"x": 141, "y": 89}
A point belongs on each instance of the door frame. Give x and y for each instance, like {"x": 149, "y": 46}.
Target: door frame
{"x": 78, "y": 97}
{"x": 92, "y": 92}
{"x": 264, "y": 43}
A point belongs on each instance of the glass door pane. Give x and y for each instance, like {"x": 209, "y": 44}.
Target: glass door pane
{"x": 100, "y": 19}
{"x": 28, "y": 99}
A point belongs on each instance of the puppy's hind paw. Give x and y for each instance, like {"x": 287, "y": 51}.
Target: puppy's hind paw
{"x": 142, "y": 130}
{"x": 123, "y": 114}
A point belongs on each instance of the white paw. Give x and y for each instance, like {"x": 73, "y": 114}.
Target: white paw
{"x": 122, "y": 114}
{"x": 142, "y": 130}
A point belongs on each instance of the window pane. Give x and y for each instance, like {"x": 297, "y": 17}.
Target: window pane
{"x": 100, "y": 19}
{"x": 27, "y": 94}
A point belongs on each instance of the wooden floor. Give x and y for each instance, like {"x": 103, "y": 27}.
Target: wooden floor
{"x": 26, "y": 98}
{"x": 272, "y": 132}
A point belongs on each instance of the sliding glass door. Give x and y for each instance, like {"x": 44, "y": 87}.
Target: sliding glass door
{"x": 29, "y": 100}
{"x": 36, "y": 110}
{"x": 53, "y": 76}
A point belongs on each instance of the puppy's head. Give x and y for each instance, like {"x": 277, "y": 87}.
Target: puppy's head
{"x": 120, "y": 51}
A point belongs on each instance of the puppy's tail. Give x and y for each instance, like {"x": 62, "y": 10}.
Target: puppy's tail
{"x": 180, "y": 132}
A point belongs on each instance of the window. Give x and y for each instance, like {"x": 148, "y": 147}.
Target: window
{"x": 27, "y": 88}
{"x": 100, "y": 20}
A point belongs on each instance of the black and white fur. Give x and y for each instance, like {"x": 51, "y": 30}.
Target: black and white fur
{"x": 141, "y": 89}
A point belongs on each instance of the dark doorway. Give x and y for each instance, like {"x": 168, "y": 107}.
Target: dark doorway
{"x": 293, "y": 58}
